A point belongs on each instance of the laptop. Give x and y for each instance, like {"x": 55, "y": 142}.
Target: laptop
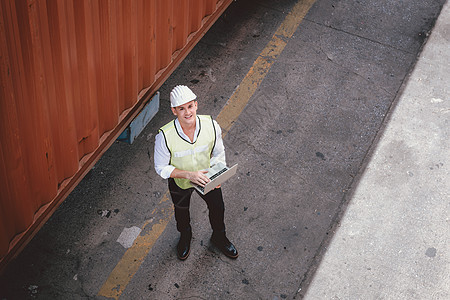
{"x": 218, "y": 174}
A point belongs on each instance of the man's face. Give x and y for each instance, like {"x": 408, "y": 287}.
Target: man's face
{"x": 186, "y": 113}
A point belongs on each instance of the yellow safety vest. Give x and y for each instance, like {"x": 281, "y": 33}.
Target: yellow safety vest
{"x": 188, "y": 156}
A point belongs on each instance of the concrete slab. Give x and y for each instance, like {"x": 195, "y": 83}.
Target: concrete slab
{"x": 140, "y": 121}
{"x": 393, "y": 240}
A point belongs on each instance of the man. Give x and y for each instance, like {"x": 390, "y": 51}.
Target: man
{"x": 184, "y": 149}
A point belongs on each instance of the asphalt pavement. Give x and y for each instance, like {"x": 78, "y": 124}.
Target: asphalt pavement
{"x": 393, "y": 240}
{"x": 337, "y": 114}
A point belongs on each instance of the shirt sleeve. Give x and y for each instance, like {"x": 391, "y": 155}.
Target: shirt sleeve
{"x": 162, "y": 157}
{"x": 218, "y": 153}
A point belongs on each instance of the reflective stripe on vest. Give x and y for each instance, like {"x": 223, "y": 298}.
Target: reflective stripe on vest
{"x": 188, "y": 156}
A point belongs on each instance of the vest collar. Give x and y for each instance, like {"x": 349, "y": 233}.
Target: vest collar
{"x": 181, "y": 133}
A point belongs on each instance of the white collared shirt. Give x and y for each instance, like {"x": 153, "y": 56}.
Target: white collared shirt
{"x": 162, "y": 154}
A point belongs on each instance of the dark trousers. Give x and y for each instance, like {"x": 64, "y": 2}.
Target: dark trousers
{"x": 181, "y": 200}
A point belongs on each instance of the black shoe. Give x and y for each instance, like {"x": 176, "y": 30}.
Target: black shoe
{"x": 224, "y": 245}
{"x": 184, "y": 245}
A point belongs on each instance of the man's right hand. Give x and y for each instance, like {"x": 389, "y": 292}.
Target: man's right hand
{"x": 196, "y": 177}
{"x": 199, "y": 177}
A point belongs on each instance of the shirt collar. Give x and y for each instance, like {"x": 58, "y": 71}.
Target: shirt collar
{"x": 181, "y": 132}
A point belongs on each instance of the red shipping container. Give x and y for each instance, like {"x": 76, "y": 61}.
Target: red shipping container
{"x": 74, "y": 73}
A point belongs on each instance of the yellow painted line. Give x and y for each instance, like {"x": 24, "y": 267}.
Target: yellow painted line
{"x": 294, "y": 18}
{"x": 135, "y": 255}
{"x": 237, "y": 102}
{"x": 151, "y": 230}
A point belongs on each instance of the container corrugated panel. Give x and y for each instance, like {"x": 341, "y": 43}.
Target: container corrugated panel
{"x": 74, "y": 73}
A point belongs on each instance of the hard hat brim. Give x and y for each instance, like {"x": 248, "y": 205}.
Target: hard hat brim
{"x": 172, "y": 104}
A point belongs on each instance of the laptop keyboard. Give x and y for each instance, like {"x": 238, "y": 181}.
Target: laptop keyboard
{"x": 212, "y": 178}
{"x": 218, "y": 173}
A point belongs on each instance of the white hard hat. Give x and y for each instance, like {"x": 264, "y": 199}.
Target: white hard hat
{"x": 180, "y": 95}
